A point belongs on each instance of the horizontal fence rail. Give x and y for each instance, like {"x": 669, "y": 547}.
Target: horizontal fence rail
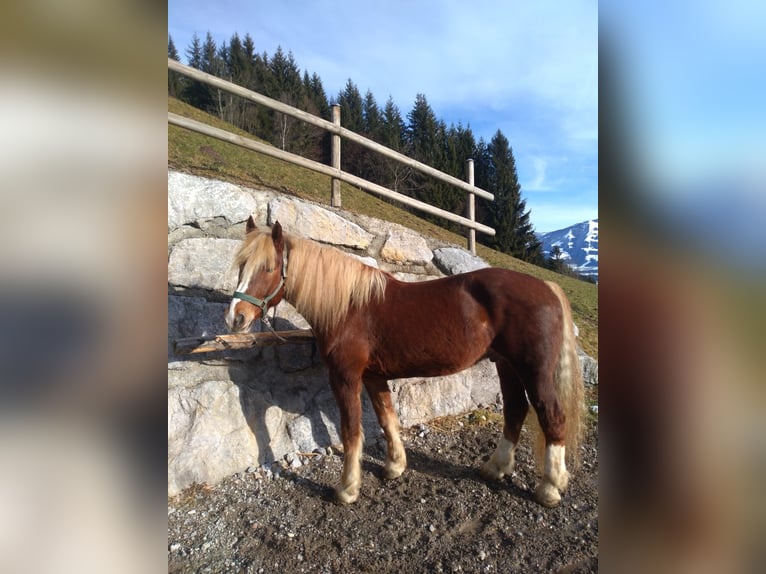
{"x": 272, "y": 151}
{"x": 335, "y": 129}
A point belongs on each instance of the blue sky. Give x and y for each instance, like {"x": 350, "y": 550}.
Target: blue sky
{"x": 529, "y": 69}
{"x": 694, "y": 85}
{"x": 692, "y": 77}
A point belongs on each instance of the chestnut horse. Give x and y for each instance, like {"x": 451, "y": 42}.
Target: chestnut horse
{"x": 370, "y": 328}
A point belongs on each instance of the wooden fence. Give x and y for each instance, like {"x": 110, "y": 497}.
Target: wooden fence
{"x": 334, "y": 171}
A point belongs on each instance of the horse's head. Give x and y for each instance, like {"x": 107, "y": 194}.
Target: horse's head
{"x": 261, "y": 281}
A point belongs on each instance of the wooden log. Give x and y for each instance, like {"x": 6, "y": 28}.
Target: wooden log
{"x": 471, "y": 207}
{"x": 325, "y": 124}
{"x": 228, "y": 342}
{"x": 335, "y": 199}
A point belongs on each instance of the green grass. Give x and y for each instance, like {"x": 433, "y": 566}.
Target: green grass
{"x": 204, "y": 156}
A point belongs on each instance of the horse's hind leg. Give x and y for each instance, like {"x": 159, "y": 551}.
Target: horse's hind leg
{"x": 552, "y": 423}
{"x": 347, "y": 393}
{"x": 380, "y": 395}
{"x": 515, "y": 407}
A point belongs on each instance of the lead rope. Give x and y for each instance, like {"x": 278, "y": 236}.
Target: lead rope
{"x": 265, "y": 321}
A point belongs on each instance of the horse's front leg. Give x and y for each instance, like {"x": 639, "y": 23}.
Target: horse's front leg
{"x": 347, "y": 391}
{"x": 380, "y": 395}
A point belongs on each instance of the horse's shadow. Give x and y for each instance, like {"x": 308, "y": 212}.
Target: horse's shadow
{"x": 420, "y": 461}
{"x": 274, "y": 383}
{"x": 284, "y": 391}
{"x": 417, "y": 462}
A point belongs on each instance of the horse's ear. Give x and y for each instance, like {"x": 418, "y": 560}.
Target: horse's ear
{"x": 276, "y": 235}
{"x": 250, "y": 225}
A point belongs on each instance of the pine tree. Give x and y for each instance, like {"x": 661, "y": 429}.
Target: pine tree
{"x": 213, "y": 63}
{"x": 350, "y": 101}
{"x": 175, "y": 80}
{"x": 394, "y": 175}
{"x": 372, "y": 128}
{"x": 508, "y": 215}
{"x": 352, "y": 118}
{"x": 238, "y": 69}
{"x": 196, "y": 93}
{"x": 317, "y": 95}
{"x": 317, "y": 141}
{"x": 172, "y": 52}
{"x": 373, "y": 120}
{"x": 421, "y": 131}
{"x": 426, "y": 139}
{"x": 287, "y": 87}
{"x": 261, "y": 118}
{"x": 460, "y": 146}
{"x": 315, "y": 102}
{"x": 249, "y": 56}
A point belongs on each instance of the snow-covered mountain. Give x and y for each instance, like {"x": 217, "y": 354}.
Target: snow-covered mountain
{"x": 578, "y": 244}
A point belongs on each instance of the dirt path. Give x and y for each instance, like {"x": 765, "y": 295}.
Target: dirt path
{"x": 440, "y": 516}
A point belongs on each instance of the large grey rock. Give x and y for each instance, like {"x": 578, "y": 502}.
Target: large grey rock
{"x": 317, "y": 223}
{"x": 422, "y": 399}
{"x": 194, "y": 317}
{"x": 192, "y": 199}
{"x": 589, "y": 368}
{"x": 224, "y": 418}
{"x": 371, "y": 261}
{"x": 208, "y": 435}
{"x": 203, "y": 263}
{"x": 403, "y": 247}
{"x": 452, "y": 261}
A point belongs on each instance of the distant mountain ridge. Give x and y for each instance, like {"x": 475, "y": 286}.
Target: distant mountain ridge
{"x": 578, "y": 244}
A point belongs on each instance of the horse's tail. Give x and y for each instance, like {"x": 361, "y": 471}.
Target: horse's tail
{"x": 569, "y": 382}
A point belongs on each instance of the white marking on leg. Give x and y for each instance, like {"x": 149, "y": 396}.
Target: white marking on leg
{"x": 351, "y": 477}
{"x": 501, "y": 462}
{"x": 396, "y": 459}
{"x": 555, "y": 476}
{"x": 555, "y": 466}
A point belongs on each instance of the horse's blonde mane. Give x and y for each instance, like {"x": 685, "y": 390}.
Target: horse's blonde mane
{"x": 323, "y": 283}
{"x": 257, "y": 252}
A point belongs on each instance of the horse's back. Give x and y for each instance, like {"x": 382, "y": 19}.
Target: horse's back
{"x": 525, "y": 314}
{"x": 495, "y": 286}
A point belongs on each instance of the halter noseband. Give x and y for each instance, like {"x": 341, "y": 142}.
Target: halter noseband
{"x": 262, "y": 304}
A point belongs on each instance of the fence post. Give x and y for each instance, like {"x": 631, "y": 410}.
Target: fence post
{"x": 471, "y": 208}
{"x": 335, "y": 156}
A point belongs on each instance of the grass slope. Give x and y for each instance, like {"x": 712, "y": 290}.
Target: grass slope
{"x": 200, "y": 155}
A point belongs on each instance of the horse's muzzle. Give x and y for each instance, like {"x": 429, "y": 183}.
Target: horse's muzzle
{"x": 239, "y": 322}
{"x": 236, "y": 323}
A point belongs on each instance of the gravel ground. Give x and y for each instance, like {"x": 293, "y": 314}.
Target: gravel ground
{"x": 440, "y": 516}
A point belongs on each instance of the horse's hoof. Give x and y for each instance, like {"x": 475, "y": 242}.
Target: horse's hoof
{"x": 393, "y": 471}
{"x": 343, "y": 496}
{"x": 489, "y": 471}
{"x": 501, "y": 462}
{"x": 547, "y": 494}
